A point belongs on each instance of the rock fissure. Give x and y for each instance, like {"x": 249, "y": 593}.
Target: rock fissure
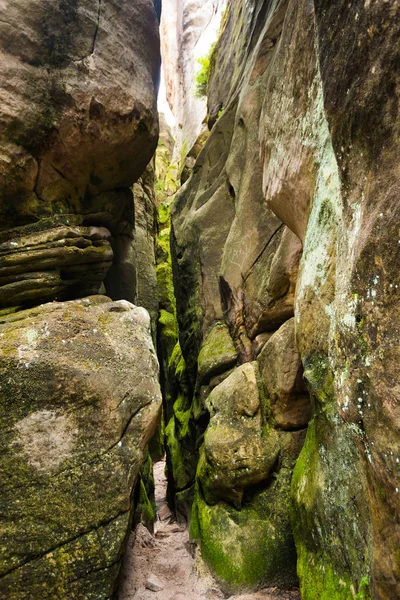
{"x": 96, "y": 33}
{"x": 49, "y": 551}
{"x": 249, "y": 265}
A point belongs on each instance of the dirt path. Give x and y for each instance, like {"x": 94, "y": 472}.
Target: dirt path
{"x": 161, "y": 567}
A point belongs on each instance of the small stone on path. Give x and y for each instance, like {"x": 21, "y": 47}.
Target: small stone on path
{"x": 153, "y": 584}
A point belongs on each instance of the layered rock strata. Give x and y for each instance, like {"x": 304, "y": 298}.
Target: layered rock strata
{"x": 79, "y": 397}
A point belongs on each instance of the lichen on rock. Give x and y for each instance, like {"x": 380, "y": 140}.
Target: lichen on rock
{"x": 80, "y": 400}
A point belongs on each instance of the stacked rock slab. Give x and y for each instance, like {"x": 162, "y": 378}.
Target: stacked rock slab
{"x": 79, "y": 395}
{"x": 78, "y": 125}
{"x": 313, "y": 88}
{"x": 235, "y": 271}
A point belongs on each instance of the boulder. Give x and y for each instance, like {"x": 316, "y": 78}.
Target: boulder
{"x": 80, "y": 399}
{"x": 238, "y": 450}
{"x": 282, "y": 376}
{"x": 78, "y": 116}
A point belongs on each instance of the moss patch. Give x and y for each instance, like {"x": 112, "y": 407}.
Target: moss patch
{"x": 218, "y": 353}
{"x": 249, "y": 547}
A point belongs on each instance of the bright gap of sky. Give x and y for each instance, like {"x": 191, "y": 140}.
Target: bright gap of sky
{"x": 163, "y": 106}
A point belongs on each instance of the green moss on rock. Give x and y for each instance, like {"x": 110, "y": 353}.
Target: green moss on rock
{"x": 250, "y": 547}
{"x": 322, "y": 529}
{"x": 218, "y": 352}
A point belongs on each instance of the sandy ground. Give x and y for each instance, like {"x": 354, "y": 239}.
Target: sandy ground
{"x": 161, "y": 567}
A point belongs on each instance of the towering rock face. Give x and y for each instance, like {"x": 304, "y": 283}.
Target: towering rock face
{"x": 330, "y": 176}
{"x": 79, "y": 396}
{"x": 78, "y": 125}
{"x": 189, "y": 28}
{"x": 236, "y": 267}
{"x": 291, "y": 212}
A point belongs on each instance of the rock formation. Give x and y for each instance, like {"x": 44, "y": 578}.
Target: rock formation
{"x": 79, "y": 401}
{"x": 78, "y": 126}
{"x": 284, "y": 253}
{"x": 273, "y": 274}
{"x": 80, "y": 397}
{"x": 188, "y": 30}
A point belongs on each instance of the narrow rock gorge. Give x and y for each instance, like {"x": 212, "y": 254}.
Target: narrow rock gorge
{"x": 221, "y": 290}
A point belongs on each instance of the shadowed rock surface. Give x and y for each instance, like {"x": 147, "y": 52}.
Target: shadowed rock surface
{"x": 286, "y": 233}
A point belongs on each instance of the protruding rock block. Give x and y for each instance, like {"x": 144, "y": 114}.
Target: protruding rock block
{"x": 54, "y": 258}
{"x": 217, "y": 354}
{"x": 282, "y": 375}
{"x": 238, "y": 451}
{"x": 78, "y": 114}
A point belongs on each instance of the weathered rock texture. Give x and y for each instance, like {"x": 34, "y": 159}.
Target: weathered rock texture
{"x": 286, "y": 235}
{"x": 79, "y": 401}
{"x": 235, "y": 271}
{"x": 79, "y": 396}
{"x": 78, "y": 126}
{"x": 188, "y": 30}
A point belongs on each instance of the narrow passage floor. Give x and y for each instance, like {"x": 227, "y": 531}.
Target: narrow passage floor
{"x": 161, "y": 566}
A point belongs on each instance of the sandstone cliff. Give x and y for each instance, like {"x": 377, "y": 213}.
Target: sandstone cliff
{"x": 188, "y": 30}
{"x": 80, "y": 397}
{"x": 284, "y": 253}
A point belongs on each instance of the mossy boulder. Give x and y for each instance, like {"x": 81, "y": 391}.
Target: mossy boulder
{"x": 79, "y": 403}
{"x": 252, "y": 546}
{"x": 239, "y": 448}
{"x": 217, "y": 354}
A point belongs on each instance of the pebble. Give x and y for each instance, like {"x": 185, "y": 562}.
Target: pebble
{"x": 154, "y": 584}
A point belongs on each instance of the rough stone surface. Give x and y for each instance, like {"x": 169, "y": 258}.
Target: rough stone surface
{"x": 238, "y": 452}
{"x": 331, "y": 175}
{"x": 282, "y": 375}
{"x": 313, "y": 88}
{"x": 188, "y": 30}
{"x": 52, "y": 259}
{"x": 235, "y": 270}
{"x": 69, "y": 135}
{"x": 78, "y": 125}
{"x": 80, "y": 399}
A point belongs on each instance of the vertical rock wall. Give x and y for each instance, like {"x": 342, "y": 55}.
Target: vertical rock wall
{"x": 234, "y": 439}
{"x": 79, "y": 398}
{"x": 188, "y": 30}
{"x": 285, "y": 246}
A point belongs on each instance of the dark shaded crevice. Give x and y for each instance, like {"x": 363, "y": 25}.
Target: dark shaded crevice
{"x": 58, "y": 172}
{"x": 97, "y": 28}
{"x": 272, "y": 236}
